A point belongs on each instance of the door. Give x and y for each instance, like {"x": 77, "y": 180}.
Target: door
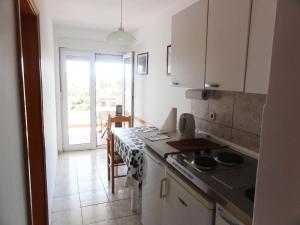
{"x": 189, "y": 46}
{"x": 78, "y": 100}
{"x": 183, "y": 205}
{"x": 109, "y": 90}
{"x": 227, "y": 43}
{"x": 128, "y": 91}
{"x": 152, "y": 201}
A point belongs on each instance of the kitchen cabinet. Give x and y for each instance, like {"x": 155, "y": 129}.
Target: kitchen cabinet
{"x": 225, "y": 218}
{"x": 183, "y": 205}
{"x": 227, "y": 43}
{"x": 189, "y": 46}
{"x": 260, "y": 46}
{"x": 152, "y": 201}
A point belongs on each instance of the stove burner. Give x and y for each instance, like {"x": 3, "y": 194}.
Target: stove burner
{"x": 205, "y": 163}
{"x": 229, "y": 159}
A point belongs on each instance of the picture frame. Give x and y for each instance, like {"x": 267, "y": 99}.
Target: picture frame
{"x": 142, "y": 63}
{"x": 169, "y": 48}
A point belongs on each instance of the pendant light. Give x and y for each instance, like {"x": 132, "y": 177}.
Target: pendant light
{"x": 121, "y": 36}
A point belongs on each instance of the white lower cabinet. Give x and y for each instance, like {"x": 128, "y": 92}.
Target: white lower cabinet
{"x": 183, "y": 205}
{"x": 225, "y": 218}
{"x": 152, "y": 203}
{"x": 167, "y": 200}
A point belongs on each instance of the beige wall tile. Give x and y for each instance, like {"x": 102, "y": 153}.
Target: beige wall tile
{"x": 200, "y": 109}
{"x": 219, "y": 130}
{"x": 248, "y": 109}
{"x": 221, "y": 103}
{"x": 246, "y": 139}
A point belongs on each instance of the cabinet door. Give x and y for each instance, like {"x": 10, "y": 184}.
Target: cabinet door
{"x": 189, "y": 46}
{"x": 182, "y": 206}
{"x": 152, "y": 203}
{"x": 260, "y": 46}
{"x": 227, "y": 43}
{"x": 225, "y": 218}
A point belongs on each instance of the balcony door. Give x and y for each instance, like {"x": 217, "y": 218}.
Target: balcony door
{"x": 78, "y": 99}
{"x": 128, "y": 85}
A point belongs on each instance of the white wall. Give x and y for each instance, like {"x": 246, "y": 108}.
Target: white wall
{"x": 277, "y": 200}
{"x": 77, "y": 38}
{"x": 12, "y": 181}
{"x": 49, "y": 104}
{"x": 154, "y": 97}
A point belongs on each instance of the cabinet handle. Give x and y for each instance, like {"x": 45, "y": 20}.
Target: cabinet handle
{"x": 182, "y": 202}
{"x": 163, "y": 184}
{"x": 211, "y": 85}
{"x": 174, "y": 83}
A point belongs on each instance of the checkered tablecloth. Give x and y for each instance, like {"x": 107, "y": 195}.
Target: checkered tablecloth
{"x": 131, "y": 148}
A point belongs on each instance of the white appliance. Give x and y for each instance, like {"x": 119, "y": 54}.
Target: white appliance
{"x": 223, "y": 217}
{"x": 152, "y": 203}
{"x": 167, "y": 200}
{"x": 184, "y": 205}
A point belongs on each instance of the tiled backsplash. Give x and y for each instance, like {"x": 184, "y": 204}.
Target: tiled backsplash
{"x": 238, "y": 116}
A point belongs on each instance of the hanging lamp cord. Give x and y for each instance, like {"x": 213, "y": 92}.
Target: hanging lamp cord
{"x": 121, "y": 13}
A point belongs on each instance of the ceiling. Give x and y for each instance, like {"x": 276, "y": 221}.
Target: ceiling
{"x": 105, "y": 14}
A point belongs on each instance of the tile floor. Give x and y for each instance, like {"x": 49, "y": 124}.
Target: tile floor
{"x": 83, "y": 194}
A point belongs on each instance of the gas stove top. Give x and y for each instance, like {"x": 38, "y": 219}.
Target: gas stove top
{"x": 224, "y": 165}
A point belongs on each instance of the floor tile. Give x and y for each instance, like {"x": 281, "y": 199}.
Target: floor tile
{"x": 69, "y": 217}
{"x": 63, "y": 179}
{"x": 85, "y": 176}
{"x": 93, "y": 198}
{"x": 130, "y": 220}
{"x": 61, "y": 169}
{"x": 122, "y": 208}
{"x": 66, "y": 189}
{"x": 120, "y": 193}
{"x": 91, "y": 185}
{"x": 107, "y": 222}
{"x": 64, "y": 203}
{"x": 97, "y": 213}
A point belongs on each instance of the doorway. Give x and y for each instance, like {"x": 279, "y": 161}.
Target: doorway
{"x": 92, "y": 85}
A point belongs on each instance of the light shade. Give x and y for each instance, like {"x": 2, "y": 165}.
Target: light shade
{"x": 121, "y": 37}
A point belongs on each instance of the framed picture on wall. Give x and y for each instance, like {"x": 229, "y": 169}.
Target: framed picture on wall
{"x": 142, "y": 63}
{"x": 169, "y": 60}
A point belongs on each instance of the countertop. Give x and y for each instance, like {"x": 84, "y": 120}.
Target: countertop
{"x": 232, "y": 200}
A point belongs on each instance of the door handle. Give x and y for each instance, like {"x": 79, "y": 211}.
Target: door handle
{"x": 174, "y": 83}
{"x": 182, "y": 202}
{"x": 211, "y": 85}
{"x": 163, "y": 187}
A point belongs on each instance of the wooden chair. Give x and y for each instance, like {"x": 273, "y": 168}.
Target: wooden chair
{"x": 113, "y": 158}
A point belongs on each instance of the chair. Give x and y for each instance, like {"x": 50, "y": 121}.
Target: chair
{"x": 113, "y": 158}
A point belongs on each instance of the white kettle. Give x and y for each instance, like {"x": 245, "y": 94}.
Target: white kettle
{"x": 187, "y": 126}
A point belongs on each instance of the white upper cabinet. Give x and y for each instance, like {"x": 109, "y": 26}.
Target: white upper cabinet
{"x": 260, "y": 46}
{"x": 227, "y": 44}
{"x": 189, "y": 46}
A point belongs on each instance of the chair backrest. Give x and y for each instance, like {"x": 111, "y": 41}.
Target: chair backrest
{"x": 117, "y": 119}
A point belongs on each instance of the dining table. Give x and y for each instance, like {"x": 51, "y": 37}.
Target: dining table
{"x": 131, "y": 149}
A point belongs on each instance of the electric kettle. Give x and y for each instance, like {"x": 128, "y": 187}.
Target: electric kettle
{"x": 187, "y": 126}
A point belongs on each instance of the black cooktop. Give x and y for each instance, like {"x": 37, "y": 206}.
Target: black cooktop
{"x": 229, "y": 159}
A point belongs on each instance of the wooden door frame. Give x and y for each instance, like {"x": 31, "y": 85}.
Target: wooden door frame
{"x": 30, "y": 88}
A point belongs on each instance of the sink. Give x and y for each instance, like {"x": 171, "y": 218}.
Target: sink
{"x": 250, "y": 193}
